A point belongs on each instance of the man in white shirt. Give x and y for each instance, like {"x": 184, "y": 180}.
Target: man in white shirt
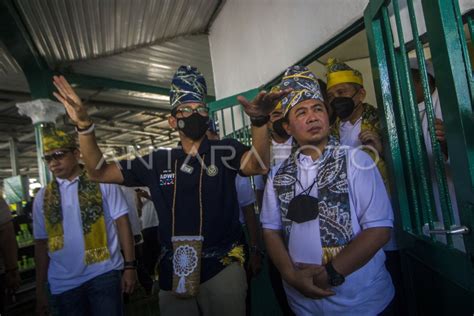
{"x": 441, "y": 138}
{"x": 77, "y": 227}
{"x": 326, "y": 214}
{"x": 280, "y": 148}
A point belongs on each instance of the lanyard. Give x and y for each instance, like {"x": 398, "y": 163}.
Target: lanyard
{"x": 200, "y": 195}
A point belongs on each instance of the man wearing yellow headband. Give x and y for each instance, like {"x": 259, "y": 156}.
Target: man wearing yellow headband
{"x": 357, "y": 122}
{"x": 77, "y": 227}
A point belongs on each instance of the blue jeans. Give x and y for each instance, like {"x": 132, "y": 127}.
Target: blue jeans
{"x": 99, "y": 296}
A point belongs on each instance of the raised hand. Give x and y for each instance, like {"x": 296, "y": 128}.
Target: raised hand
{"x": 263, "y": 104}
{"x": 71, "y": 101}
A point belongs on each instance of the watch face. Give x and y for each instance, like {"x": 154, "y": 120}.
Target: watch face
{"x": 337, "y": 280}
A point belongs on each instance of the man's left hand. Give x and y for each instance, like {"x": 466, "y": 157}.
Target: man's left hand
{"x": 263, "y": 104}
{"x": 320, "y": 279}
{"x": 441, "y": 136}
{"x": 129, "y": 279}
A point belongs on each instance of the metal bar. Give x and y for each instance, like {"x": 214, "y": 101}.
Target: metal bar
{"x": 463, "y": 43}
{"x": 223, "y": 122}
{"x": 449, "y": 61}
{"x": 457, "y": 230}
{"x": 93, "y": 82}
{"x": 414, "y": 137}
{"x": 405, "y": 216}
{"x": 232, "y": 100}
{"x": 44, "y": 174}
{"x": 14, "y": 156}
{"x": 232, "y": 118}
{"x": 419, "y": 150}
{"x": 373, "y": 8}
{"x": 246, "y": 131}
{"x": 438, "y": 158}
{"x": 382, "y": 85}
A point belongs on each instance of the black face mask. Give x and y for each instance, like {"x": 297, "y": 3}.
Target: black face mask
{"x": 278, "y": 128}
{"x": 343, "y": 106}
{"x": 194, "y": 126}
{"x": 303, "y": 208}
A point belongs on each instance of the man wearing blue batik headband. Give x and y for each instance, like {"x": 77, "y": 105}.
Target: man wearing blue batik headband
{"x": 326, "y": 214}
{"x": 193, "y": 189}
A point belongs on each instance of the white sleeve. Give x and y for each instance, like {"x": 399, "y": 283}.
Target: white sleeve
{"x": 270, "y": 216}
{"x": 39, "y": 228}
{"x": 114, "y": 200}
{"x": 245, "y": 193}
{"x": 367, "y": 191}
{"x": 259, "y": 183}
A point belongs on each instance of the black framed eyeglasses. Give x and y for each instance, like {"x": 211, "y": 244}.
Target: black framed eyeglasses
{"x": 57, "y": 155}
{"x": 188, "y": 111}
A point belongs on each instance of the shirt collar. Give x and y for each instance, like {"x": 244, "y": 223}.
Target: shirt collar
{"x": 288, "y": 142}
{"x": 66, "y": 181}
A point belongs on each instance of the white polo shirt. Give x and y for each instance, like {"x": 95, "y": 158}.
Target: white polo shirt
{"x": 366, "y": 291}
{"x": 67, "y": 269}
{"x": 245, "y": 194}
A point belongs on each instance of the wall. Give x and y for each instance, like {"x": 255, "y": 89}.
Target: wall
{"x": 252, "y": 41}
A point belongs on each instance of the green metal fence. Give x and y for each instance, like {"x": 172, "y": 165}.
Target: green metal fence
{"x": 446, "y": 244}
{"x": 232, "y": 120}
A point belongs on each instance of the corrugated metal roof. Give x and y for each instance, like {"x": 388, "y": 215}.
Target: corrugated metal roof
{"x": 83, "y": 29}
{"x": 11, "y": 75}
{"x": 154, "y": 65}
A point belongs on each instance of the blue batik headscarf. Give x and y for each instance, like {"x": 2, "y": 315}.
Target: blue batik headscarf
{"x": 304, "y": 84}
{"x": 188, "y": 85}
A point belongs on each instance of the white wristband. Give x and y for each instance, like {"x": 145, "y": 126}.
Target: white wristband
{"x": 87, "y": 131}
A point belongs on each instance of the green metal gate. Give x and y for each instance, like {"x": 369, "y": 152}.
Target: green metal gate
{"x": 430, "y": 239}
{"x": 232, "y": 120}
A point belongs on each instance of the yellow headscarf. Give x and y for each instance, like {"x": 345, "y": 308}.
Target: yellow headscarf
{"x": 90, "y": 203}
{"x": 339, "y": 72}
{"x": 54, "y": 138}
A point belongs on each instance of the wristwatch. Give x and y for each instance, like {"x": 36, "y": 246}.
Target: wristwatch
{"x": 259, "y": 121}
{"x": 335, "y": 278}
{"x": 130, "y": 264}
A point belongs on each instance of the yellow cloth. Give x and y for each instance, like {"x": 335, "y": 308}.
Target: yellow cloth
{"x": 339, "y": 72}
{"x": 92, "y": 218}
{"x": 235, "y": 254}
{"x": 54, "y": 138}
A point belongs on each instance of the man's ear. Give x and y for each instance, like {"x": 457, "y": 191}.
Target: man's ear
{"x": 286, "y": 126}
{"x": 172, "y": 121}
